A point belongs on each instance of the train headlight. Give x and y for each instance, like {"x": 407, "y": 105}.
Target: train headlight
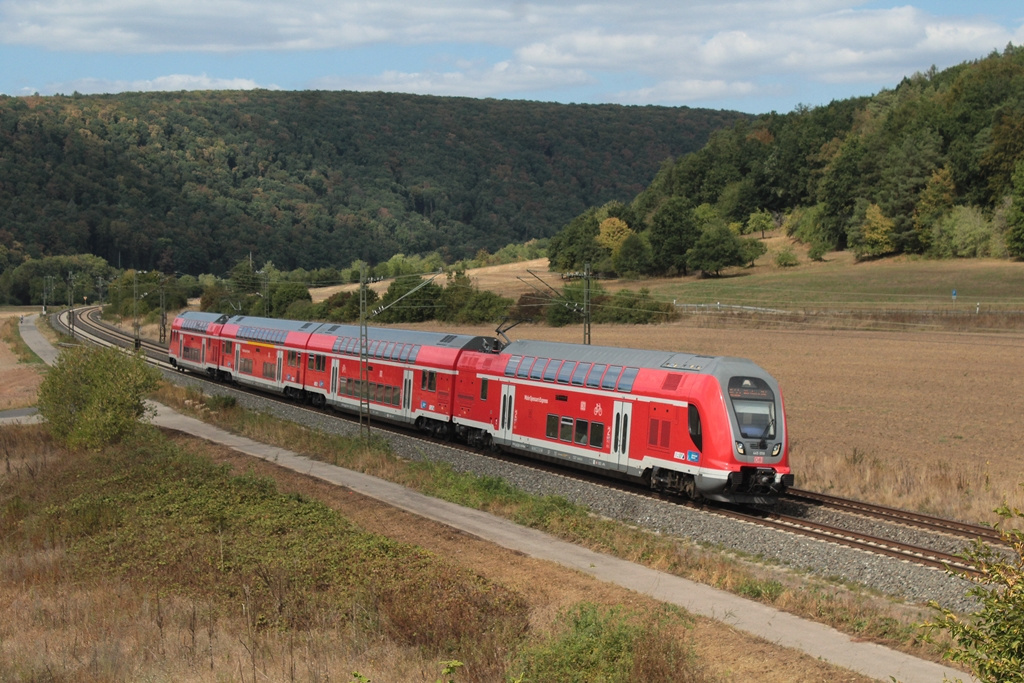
{"x": 777, "y": 449}
{"x": 740, "y": 448}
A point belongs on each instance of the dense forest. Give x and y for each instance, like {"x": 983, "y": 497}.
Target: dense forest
{"x": 193, "y": 182}
{"x": 933, "y": 167}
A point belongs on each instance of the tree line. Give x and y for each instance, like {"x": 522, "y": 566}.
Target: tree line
{"x": 193, "y": 182}
{"x": 932, "y": 167}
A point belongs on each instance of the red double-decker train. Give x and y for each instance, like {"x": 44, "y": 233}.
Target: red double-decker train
{"x": 701, "y": 426}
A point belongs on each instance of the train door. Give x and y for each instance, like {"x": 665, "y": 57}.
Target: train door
{"x": 407, "y": 376}
{"x": 507, "y": 416}
{"x": 334, "y": 377}
{"x": 202, "y": 359}
{"x": 280, "y": 368}
{"x": 620, "y": 432}
{"x": 181, "y": 346}
{"x": 238, "y": 355}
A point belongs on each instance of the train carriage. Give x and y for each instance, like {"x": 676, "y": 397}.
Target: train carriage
{"x": 195, "y": 342}
{"x": 266, "y": 353}
{"x": 410, "y": 374}
{"x": 697, "y": 425}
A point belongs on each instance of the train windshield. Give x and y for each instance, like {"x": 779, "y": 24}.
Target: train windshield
{"x": 753, "y": 401}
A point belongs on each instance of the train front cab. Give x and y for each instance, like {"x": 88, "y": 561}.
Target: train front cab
{"x": 741, "y": 448}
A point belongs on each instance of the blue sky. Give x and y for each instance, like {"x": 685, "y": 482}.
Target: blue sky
{"x": 753, "y": 55}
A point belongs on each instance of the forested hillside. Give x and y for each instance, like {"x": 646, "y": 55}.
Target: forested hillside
{"x": 193, "y": 182}
{"x": 925, "y": 168}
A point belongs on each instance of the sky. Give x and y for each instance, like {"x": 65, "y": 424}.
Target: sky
{"x": 753, "y": 56}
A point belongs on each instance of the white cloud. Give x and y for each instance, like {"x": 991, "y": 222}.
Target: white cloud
{"x": 694, "y": 50}
{"x": 172, "y": 82}
{"x": 473, "y": 80}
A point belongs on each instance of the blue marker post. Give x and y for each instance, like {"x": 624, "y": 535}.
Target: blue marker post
{"x": 954, "y": 295}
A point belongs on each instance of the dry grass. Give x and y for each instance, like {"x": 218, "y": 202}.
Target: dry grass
{"x": 849, "y": 611}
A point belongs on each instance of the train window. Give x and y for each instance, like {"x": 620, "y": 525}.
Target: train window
{"x": 396, "y": 396}
{"x": 406, "y": 350}
{"x": 483, "y": 390}
{"x": 538, "y": 368}
{"x": 551, "y": 370}
{"x": 228, "y": 347}
{"x": 245, "y": 365}
{"x": 597, "y": 435}
{"x": 524, "y": 367}
{"x": 580, "y": 373}
{"x": 386, "y": 353}
{"x": 580, "y": 436}
{"x": 611, "y": 377}
{"x": 372, "y": 348}
{"x": 594, "y": 376}
{"x": 387, "y": 394}
{"x": 565, "y": 372}
{"x": 565, "y": 429}
{"x": 380, "y": 393}
{"x": 627, "y": 379}
{"x": 293, "y": 358}
{"x": 270, "y": 371}
{"x": 513, "y": 365}
{"x": 552, "y": 427}
{"x": 428, "y": 381}
{"x": 693, "y": 423}
{"x": 397, "y": 351}
{"x": 415, "y": 352}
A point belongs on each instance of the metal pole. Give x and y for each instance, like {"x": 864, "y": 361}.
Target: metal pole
{"x": 364, "y": 373}
{"x": 586, "y": 303}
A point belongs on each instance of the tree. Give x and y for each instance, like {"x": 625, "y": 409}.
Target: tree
{"x": 633, "y": 257}
{"x": 1015, "y": 219}
{"x": 991, "y": 641}
{"x": 717, "y": 248}
{"x": 612, "y": 232}
{"x": 876, "y": 234}
{"x": 93, "y": 397}
{"x": 673, "y": 232}
{"x": 284, "y": 294}
{"x": 935, "y": 202}
{"x": 760, "y": 221}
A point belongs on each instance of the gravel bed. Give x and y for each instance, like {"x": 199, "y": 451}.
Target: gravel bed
{"x": 887, "y": 575}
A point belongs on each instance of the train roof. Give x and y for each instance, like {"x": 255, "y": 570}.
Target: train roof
{"x": 638, "y": 358}
{"x": 199, "y": 321}
{"x": 328, "y": 335}
{"x": 444, "y": 340}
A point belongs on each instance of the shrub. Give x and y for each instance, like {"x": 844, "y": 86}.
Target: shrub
{"x": 991, "y": 642}
{"x": 786, "y": 258}
{"x": 93, "y": 397}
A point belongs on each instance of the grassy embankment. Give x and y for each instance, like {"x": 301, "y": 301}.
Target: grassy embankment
{"x": 147, "y": 561}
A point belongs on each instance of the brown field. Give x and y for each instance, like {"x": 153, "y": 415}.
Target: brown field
{"x": 916, "y": 418}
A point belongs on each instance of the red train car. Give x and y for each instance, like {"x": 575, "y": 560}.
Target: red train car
{"x": 705, "y": 427}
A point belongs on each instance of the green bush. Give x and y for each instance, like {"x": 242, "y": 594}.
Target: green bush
{"x": 786, "y": 258}
{"x": 94, "y": 397}
{"x": 601, "y": 644}
{"x": 991, "y": 641}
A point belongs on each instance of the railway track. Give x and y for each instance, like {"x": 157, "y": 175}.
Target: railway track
{"x": 90, "y": 328}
